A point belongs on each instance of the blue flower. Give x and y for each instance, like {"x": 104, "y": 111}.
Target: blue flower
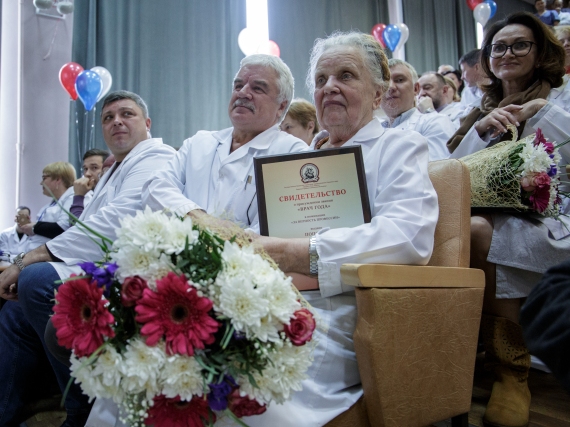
{"x": 552, "y": 171}
{"x": 111, "y": 267}
{"x": 88, "y": 267}
{"x": 218, "y": 396}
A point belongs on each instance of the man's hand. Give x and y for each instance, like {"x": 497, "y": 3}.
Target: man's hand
{"x": 28, "y": 228}
{"x": 9, "y": 277}
{"x": 8, "y": 280}
{"x": 81, "y": 186}
{"x": 425, "y": 103}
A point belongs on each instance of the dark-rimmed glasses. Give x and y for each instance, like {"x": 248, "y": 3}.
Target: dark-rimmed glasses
{"x": 498, "y": 50}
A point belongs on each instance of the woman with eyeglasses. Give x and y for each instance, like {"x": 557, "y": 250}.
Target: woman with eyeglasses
{"x": 525, "y": 65}
{"x": 52, "y": 220}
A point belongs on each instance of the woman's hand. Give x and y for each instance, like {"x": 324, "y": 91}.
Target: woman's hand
{"x": 498, "y": 120}
{"x": 530, "y": 108}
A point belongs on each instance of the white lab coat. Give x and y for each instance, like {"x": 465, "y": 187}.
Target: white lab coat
{"x": 435, "y": 127}
{"x": 404, "y": 209}
{"x": 455, "y": 111}
{"x": 205, "y": 175}
{"x": 52, "y": 212}
{"x": 471, "y": 97}
{"x": 115, "y": 197}
{"x": 11, "y": 244}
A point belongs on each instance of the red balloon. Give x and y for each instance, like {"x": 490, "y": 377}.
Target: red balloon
{"x": 67, "y": 76}
{"x": 473, "y": 3}
{"x": 377, "y": 31}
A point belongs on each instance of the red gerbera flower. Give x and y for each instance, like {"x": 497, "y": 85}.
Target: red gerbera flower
{"x": 81, "y": 318}
{"x": 176, "y": 312}
{"x": 175, "y": 413}
{"x": 540, "y": 198}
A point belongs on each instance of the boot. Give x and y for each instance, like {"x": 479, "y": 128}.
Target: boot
{"x": 507, "y": 355}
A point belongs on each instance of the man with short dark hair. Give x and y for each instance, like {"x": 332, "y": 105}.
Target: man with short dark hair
{"x": 473, "y": 76}
{"x": 399, "y": 105}
{"x": 433, "y": 96}
{"x": 83, "y": 187}
{"x": 23, "y": 319}
{"x": 13, "y": 240}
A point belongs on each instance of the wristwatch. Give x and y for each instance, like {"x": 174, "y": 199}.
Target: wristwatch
{"x": 18, "y": 261}
{"x": 313, "y": 257}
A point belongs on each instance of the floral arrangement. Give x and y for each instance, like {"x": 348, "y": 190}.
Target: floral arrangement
{"x": 517, "y": 174}
{"x": 180, "y": 327}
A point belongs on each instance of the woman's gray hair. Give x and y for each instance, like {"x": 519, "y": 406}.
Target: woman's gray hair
{"x": 372, "y": 53}
{"x": 285, "y": 82}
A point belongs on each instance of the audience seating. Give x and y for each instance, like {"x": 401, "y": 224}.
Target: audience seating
{"x": 417, "y": 328}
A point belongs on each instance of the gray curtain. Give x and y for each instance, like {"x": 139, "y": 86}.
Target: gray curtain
{"x": 441, "y": 31}
{"x": 506, "y": 7}
{"x": 180, "y": 56}
{"x": 295, "y": 24}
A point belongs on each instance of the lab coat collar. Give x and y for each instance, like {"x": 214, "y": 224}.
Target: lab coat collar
{"x": 260, "y": 142}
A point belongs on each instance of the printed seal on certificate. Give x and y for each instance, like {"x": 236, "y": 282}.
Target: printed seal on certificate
{"x": 309, "y": 173}
{"x": 301, "y": 193}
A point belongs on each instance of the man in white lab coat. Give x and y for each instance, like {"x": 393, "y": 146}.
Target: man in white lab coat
{"x": 399, "y": 105}
{"x": 126, "y": 129}
{"x": 213, "y": 171}
{"x": 13, "y": 240}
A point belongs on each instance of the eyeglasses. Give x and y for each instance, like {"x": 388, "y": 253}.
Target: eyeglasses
{"x": 45, "y": 176}
{"x": 498, "y": 50}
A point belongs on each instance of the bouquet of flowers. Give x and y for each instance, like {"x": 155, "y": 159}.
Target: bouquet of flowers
{"x": 180, "y": 327}
{"x": 517, "y": 174}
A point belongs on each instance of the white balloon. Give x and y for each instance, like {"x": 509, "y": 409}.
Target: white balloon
{"x": 65, "y": 7}
{"x": 106, "y": 81}
{"x": 43, "y": 4}
{"x": 404, "y": 34}
{"x": 248, "y": 41}
{"x": 482, "y": 13}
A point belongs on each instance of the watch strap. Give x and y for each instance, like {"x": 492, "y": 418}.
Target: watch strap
{"x": 313, "y": 257}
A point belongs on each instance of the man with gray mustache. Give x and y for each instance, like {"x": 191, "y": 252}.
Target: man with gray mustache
{"x": 213, "y": 171}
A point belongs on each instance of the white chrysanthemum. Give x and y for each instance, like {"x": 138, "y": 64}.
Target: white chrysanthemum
{"x": 107, "y": 367}
{"x": 535, "y": 159}
{"x": 134, "y": 260}
{"x": 147, "y": 230}
{"x": 236, "y": 260}
{"x": 178, "y": 232}
{"x": 282, "y": 376}
{"x": 141, "y": 368}
{"x": 91, "y": 383}
{"x": 240, "y": 302}
{"x": 267, "y": 330}
{"x": 182, "y": 376}
{"x": 281, "y": 298}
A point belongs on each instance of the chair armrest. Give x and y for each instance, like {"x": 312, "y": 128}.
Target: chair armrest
{"x": 410, "y": 276}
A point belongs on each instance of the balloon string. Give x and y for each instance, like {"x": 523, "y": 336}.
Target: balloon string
{"x": 92, "y": 135}
{"x": 48, "y": 54}
{"x": 85, "y": 132}
{"x": 79, "y": 155}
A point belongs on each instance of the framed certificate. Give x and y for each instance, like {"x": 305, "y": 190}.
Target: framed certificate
{"x": 300, "y": 193}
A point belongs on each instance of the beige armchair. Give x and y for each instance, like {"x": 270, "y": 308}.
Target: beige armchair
{"x": 416, "y": 335}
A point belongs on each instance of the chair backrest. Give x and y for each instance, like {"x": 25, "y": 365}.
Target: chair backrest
{"x": 450, "y": 179}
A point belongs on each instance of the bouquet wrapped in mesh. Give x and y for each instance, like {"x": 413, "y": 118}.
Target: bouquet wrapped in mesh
{"x": 515, "y": 174}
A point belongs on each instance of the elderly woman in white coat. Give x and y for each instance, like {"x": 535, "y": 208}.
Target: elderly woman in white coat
{"x": 525, "y": 64}
{"x": 348, "y": 75}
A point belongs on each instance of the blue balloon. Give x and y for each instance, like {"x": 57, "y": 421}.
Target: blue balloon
{"x": 493, "y": 7}
{"x": 391, "y": 36}
{"x": 88, "y": 85}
